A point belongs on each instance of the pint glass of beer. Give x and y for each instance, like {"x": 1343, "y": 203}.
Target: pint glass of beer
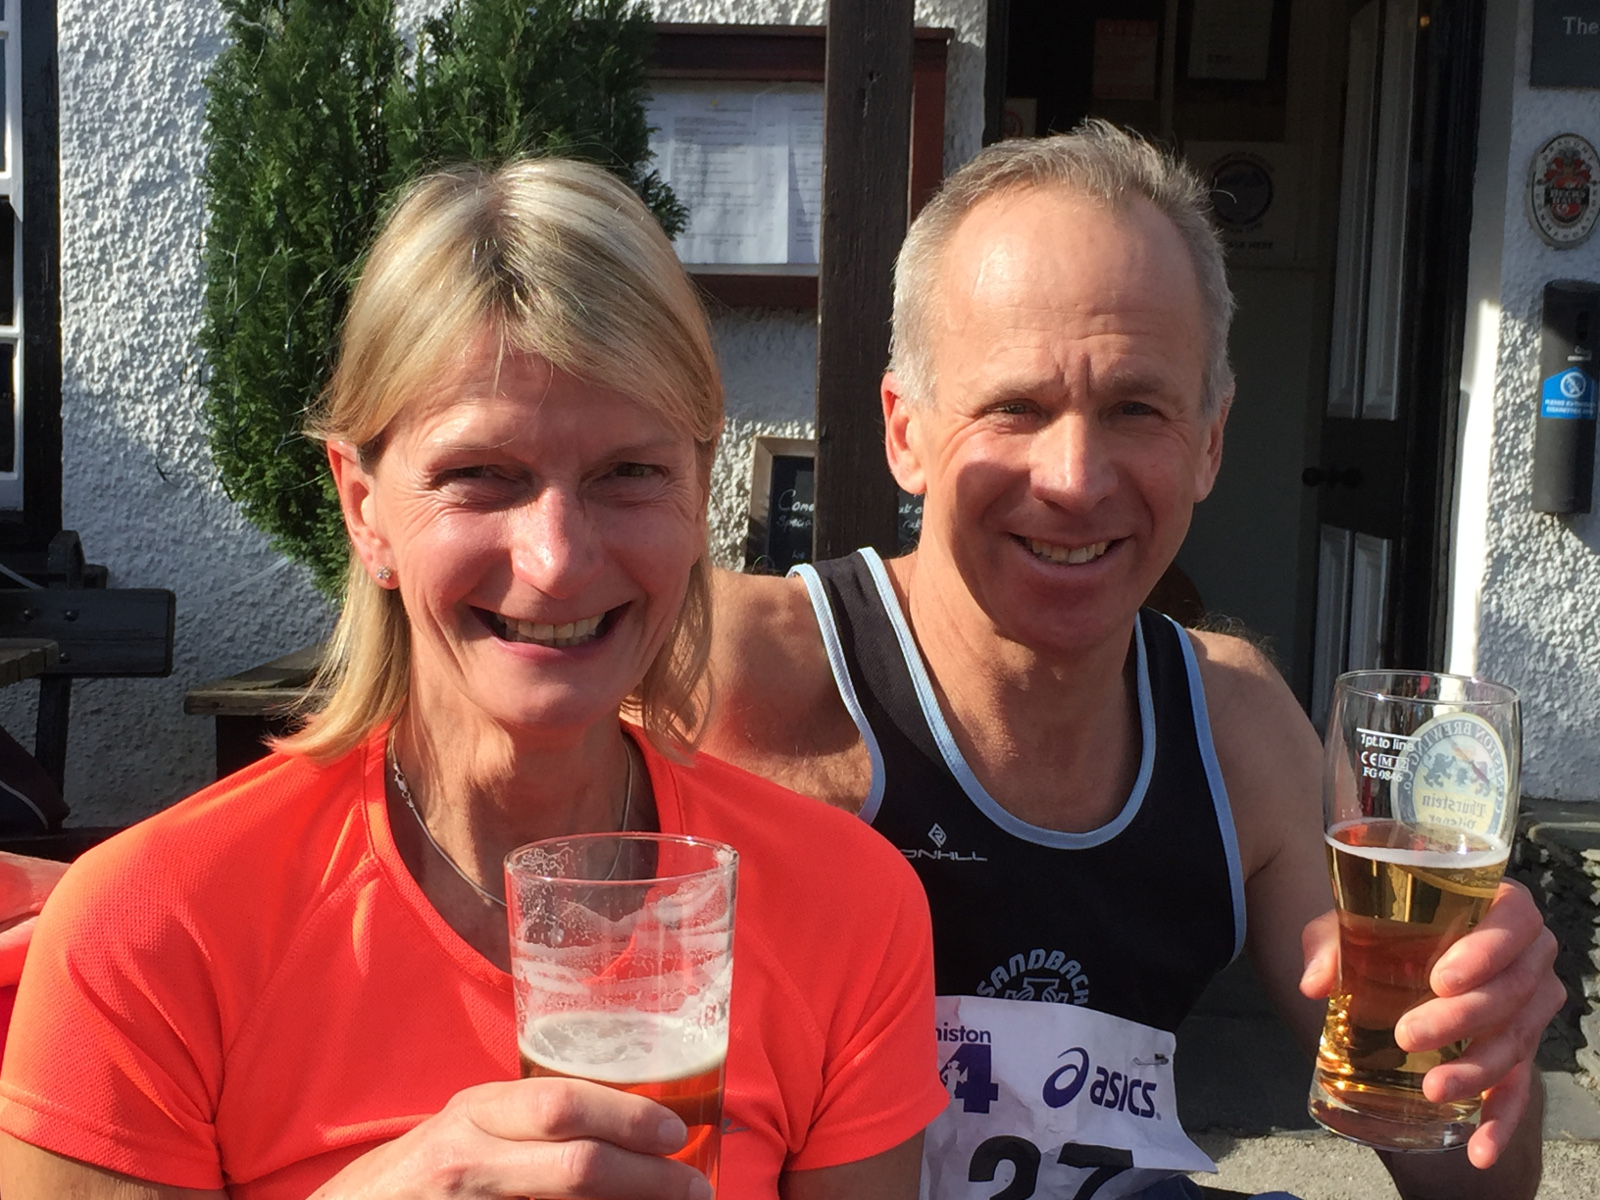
{"x": 1419, "y": 799}
{"x": 621, "y": 960}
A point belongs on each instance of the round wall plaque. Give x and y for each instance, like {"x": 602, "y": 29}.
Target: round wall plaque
{"x": 1563, "y": 180}
{"x": 1241, "y": 190}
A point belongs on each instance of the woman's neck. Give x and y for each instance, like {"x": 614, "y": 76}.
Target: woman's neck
{"x": 480, "y": 790}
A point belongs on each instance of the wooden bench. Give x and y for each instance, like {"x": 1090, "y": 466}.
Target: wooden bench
{"x": 254, "y": 705}
{"x": 98, "y": 632}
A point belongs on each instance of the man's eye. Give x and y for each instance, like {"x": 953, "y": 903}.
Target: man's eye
{"x": 1012, "y": 408}
{"x": 1135, "y": 408}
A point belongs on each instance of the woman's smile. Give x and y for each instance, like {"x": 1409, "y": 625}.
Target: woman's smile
{"x": 545, "y": 633}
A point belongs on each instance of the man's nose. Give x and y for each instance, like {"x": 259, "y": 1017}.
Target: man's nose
{"x": 1071, "y": 467}
{"x": 554, "y": 544}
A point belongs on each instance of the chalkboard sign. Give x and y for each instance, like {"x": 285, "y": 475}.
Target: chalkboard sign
{"x": 790, "y": 506}
{"x": 782, "y": 504}
{"x": 1566, "y": 44}
{"x": 782, "y": 501}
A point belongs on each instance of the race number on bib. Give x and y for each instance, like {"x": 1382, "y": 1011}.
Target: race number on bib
{"x": 1051, "y": 1101}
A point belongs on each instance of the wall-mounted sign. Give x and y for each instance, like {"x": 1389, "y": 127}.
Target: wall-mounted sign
{"x": 1230, "y": 39}
{"x": 1563, "y": 182}
{"x": 1253, "y": 195}
{"x": 1126, "y": 54}
{"x": 1566, "y": 44}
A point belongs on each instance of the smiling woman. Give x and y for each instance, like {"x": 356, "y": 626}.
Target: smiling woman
{"x": 296, "y": 982}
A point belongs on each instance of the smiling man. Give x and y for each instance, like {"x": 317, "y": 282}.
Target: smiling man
{"x": 1104, "y": 808}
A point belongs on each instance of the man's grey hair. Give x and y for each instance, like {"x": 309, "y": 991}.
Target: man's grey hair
{"x": 1098, "y": 161}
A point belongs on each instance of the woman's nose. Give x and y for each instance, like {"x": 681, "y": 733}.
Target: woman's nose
{"x": 1071, "y": 468}
{"x": 554, "y": 545}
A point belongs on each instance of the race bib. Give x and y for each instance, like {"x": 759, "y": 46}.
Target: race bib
{"x": 1052, "y": 1101}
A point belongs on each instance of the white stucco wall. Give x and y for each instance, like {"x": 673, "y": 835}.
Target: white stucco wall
{"x": 138, "y": 484}
{"x": 1526, "y": 593}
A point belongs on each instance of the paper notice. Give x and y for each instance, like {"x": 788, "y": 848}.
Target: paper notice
{"x": 748, "y": 167}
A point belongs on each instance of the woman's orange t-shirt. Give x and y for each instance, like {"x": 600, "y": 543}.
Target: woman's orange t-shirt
{"x": 249, "y": 990}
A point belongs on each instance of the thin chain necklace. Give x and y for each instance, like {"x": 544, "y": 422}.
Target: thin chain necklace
{"x": 404, "y": 788}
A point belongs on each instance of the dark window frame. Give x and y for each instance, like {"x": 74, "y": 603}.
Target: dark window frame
{"x": 30, "y": 529}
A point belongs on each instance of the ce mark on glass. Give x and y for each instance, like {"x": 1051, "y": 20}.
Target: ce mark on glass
{"x": 1105, "y": 1162}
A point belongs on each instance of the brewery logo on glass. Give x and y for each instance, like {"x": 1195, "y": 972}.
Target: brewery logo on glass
{"x": 1453, "y": 774}
{"x": 1563, "y": 180}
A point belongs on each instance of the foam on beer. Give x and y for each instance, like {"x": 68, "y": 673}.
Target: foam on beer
{"x": 623, "y": 1048}
{"x": 1489, "y": 852}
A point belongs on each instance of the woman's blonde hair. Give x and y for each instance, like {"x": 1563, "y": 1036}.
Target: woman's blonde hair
{"x": 555, "y": 258}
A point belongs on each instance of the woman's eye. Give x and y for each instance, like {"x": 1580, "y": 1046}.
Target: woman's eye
{"x": 633, "y": 470}
{"x": 477, "y": 478}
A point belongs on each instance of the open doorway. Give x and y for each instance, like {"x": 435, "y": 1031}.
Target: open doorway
{"x": 1339, "y": 137}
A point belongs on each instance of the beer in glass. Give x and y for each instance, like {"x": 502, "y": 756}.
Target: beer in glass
{"x": 622, "y": 958}
{"x": 1419, "y": 805}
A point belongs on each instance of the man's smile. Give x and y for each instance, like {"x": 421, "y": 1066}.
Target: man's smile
{"x": 1069, "y": 555}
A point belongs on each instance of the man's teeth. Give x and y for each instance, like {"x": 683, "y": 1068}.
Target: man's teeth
{"x": 573, "y": 634}
{"x": 1061, "y": 554}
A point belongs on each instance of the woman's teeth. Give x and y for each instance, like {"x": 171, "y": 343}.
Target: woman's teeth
{"x": 1062, "y": 554}
{"x": 573, "y": 634}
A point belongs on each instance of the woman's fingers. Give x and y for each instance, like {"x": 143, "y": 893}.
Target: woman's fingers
{"x": 559, "y": 1110}
{"x": 568, "y": 1139}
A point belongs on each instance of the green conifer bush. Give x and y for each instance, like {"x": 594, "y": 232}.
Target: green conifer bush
{"x": 316, "y": 118}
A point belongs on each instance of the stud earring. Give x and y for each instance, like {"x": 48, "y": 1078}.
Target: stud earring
{"x": 385, "y": 574}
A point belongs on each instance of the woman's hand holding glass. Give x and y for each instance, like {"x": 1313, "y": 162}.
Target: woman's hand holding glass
{"x": 554, "y": 1138}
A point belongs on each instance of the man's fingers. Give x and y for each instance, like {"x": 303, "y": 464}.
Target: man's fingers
{"x": 1510, "y": 927}
{"x": 1521, "y": 998}
{"x": 1503, "y": 1108}
{"x": 1320, "y": 942}
{"x": 558, "y": 1110}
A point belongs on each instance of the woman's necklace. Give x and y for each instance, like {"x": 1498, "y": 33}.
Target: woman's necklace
{"x": 404, "y": 788}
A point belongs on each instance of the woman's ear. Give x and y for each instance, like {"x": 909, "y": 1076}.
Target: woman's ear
{"x": 358, "y": 502}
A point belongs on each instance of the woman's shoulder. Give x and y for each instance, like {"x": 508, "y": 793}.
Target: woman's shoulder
{"x": 260, "y": 829}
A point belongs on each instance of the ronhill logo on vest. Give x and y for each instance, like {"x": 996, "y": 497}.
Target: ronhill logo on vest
{"x": 1049, "y": 976}
{"x": 939, "y": 837}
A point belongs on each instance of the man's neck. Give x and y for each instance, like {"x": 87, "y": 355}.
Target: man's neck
{"x": 1056, "y": 741}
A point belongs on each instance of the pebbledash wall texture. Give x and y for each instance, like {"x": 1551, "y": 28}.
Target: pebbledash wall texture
{"x": 1526, "y": 603}
{"x": 138, "y": 484}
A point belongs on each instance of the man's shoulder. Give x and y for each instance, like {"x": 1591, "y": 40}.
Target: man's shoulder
{"x": 1269, "y": 754}
{"x": 775, "y": 708}
{"x": 818, "y": 847}
{"x": 1244, "y": 688}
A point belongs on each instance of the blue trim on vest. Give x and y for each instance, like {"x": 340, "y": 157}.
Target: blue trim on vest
{"x": 847, "y": 689}
{"x": 1219, "y": 790}
{"x": 953, "y": 759}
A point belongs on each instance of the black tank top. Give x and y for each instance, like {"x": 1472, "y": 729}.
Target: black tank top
{"x": 1133, "y": 918}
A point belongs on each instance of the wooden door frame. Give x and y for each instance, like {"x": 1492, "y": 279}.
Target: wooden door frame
{"x": 1448, "y": 88}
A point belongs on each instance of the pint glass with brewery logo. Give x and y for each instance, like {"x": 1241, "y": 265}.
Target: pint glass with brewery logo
{"x": 621, "y": 961}
{"x": 1420, "y": 803}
